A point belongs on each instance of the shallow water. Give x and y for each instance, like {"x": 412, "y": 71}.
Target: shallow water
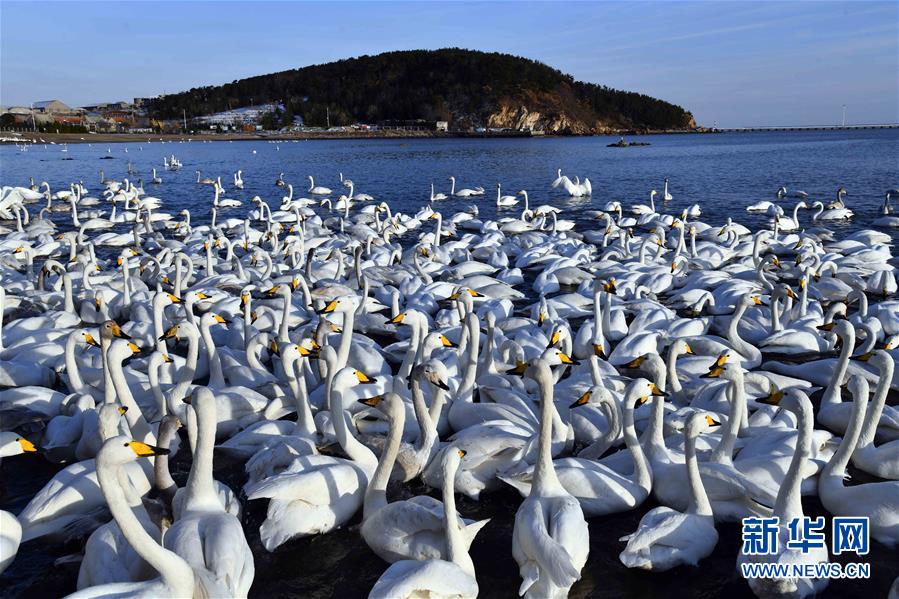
{"x": 723, "y": 173}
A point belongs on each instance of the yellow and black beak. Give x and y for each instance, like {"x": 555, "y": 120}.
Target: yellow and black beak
{"x": 189, "y": 400}
{"x": 170, "y": 334}
{"x": 758, "y": 301}
{"x": 519, "y": 369}
{"x": 635, "y": 363}
{"x": 116, "y": 330}
{"x": 554, "y": 339}
{"x": 202, "y": 296}
{"x": 773, "y": 398}
{"x": 688, "y": 350}
{"x": 273, "y": 346}
{"x": 610, "y": 287}
{"x": 167, "y": 358}
{"x": 865, "y": 356}
{"x": 655, "y": 391}
{"x": 219, "y": 319}
{"x": 363, "y": 378}
{"x": 294, "y": 283}
{"x": 541, "y": 316}
{"x": 599, "y": 350}
{"x": 372, "y": 402}
{"x": 89, "y": 339}
{"x": 714, "y": 372}
{"x": 398, "y": 319}
{"x": 581, "y": 401}
{"x": 332, "y": 305}
{"x": 711, "y": 421}
{"x": 174, "y": 299}
{"x": 446, "y": 342}
{"x": 27, "y": 446}
{"x": 462, "y": 453}
{"x": 826, "y": 327}
{"x": 134, "y": 348}
{"x": 566, "y": 359}
{"x": 142, "y": 450}
{"x": 123, "y": 410}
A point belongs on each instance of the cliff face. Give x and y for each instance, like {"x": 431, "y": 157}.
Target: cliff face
{"x": 470, "y": 89}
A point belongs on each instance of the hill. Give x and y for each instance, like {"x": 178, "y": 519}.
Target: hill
{"x": 467, "y": 88}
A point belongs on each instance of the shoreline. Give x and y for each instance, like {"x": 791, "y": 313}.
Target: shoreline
{"x": 87, "y": 138}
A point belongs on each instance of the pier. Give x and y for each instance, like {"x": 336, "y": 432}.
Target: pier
{"x": 806, "y": 128}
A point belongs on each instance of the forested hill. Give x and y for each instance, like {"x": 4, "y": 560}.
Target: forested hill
{"x": 468, "y": 89}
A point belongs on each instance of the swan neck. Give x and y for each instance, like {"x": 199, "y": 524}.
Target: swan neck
{"x": 376, "y": 494}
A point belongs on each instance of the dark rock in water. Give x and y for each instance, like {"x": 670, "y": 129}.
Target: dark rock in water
{"x": 623, "y": 143}
{"x": 106, "y": 158}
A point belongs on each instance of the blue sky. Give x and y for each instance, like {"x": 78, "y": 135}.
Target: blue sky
{"x": 734, "y": 63}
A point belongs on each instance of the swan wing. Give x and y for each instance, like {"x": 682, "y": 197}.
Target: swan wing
{"x": 535, "y": 541}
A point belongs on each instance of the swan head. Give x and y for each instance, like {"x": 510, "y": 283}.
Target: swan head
{"x": 341, "y": 305}
{"x": 123, "y": 449}
{"x": 111, "y": 329}
{"x": 209, "y": 319}
{"x": 594, "y": 395}
{"x": 434, "y": 372}
{"x": 121, "y": 349}
{"x": 700, "y": 423}
{"x": 14, "y": 444}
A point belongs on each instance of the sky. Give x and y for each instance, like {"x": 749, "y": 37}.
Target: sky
{"x": 730, "y": 63}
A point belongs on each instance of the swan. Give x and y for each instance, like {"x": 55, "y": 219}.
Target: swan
{"x": 437, "y": 197}
{"x": 176, "y": 577}
{"x": 504, "y": 201}
{"x": 464, "y": 193}
{"x": 665, "y": 195}
{"x": 666, "y": 538}
{"x": 452, "y": 577}
{"x": 321, "y": 492}
{"x": 317, "y": 189}
{"x": 210, "y": 539}
{"x": 877, "y": 501}
{"x": 409, "y": 529}
{"x": 881, "y": 460}
{"x": 550, "y": 540}
{"x": 599, "y": 489}
{"x": 830, "y": 214}
{"x": 787, "y": 508}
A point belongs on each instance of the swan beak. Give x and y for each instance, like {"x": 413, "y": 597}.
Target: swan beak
{"x": 398, "y": 319}
{"x": 688, "y": 350}
{"x": 167, "y": 358}
{"x": 303, "y": 351}
{"x": 330, "y": 307}
{"x": 635, "y": 363}
{"x": 773, "y": 398}
{"x": 541, "y": 317}
{"x": 294, "y": 283}
{"x": 363, "y": 378}
{"x": 117, "y": 331}
{"x": 134, "y": 348}
{"x": 119, "y": 261}
{"x": 462, "y": 453}
{"x": 273, "y": 346}
{"x": 123, "y": 410}
{"x": 758, "y": 301}
{"x": 557, "y": 334}
{"x": 566, "y": 359}
{"x": 174, "y": 299}
{"x": 711, "y": 421}
{"x": 202, "y": 296}
{"x": 188, "y": 400}
{"x": 642, "y": 400}
{"x": 826, "y": 327}
{"x": 519, "y": 369}
{"x": 581, "y": 401}
{"x": 654, "y": 390}
{"x": 371, "y": 402}
{"x": 798, "y": 260}
{"x": 441, "y": 385}
{"x": 864, "y": 357}
{"x": 610, "y": 287}
{"x": 142, "y": 450}
{"x": 89, "y": 339}
{"x": 673, "y": 266}
{"x": 599, "y": 350}
{"x": 171, "y": 333}
{"x": 446, "y": 342}
{"x": 792, "y": 294}
{"x": 474, "y": 293}
{"x": 714, "y": 372}
{"x": 219, "y": 319}
{"x": 26, "y": 445}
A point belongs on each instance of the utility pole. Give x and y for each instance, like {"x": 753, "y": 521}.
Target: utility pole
{"x": 328, "y": 116}
{"x": 844, "y": 115}
{"x": 184, "y": 116}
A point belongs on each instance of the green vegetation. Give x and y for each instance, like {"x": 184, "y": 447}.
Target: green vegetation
{"x": 460, "y": 86}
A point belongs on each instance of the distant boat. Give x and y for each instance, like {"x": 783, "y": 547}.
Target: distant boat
{"x": 623, "y": 143}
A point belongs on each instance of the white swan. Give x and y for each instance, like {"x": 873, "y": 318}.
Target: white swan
{"x": 666, "y": 538}
{"x": 453, "y": 577}
{"x": 550, "y": 540}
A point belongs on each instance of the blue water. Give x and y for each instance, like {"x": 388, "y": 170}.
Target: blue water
{"x": 722, "y": 173}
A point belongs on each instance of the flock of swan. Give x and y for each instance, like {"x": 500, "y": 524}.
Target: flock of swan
{"x": 338, "y": 350}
